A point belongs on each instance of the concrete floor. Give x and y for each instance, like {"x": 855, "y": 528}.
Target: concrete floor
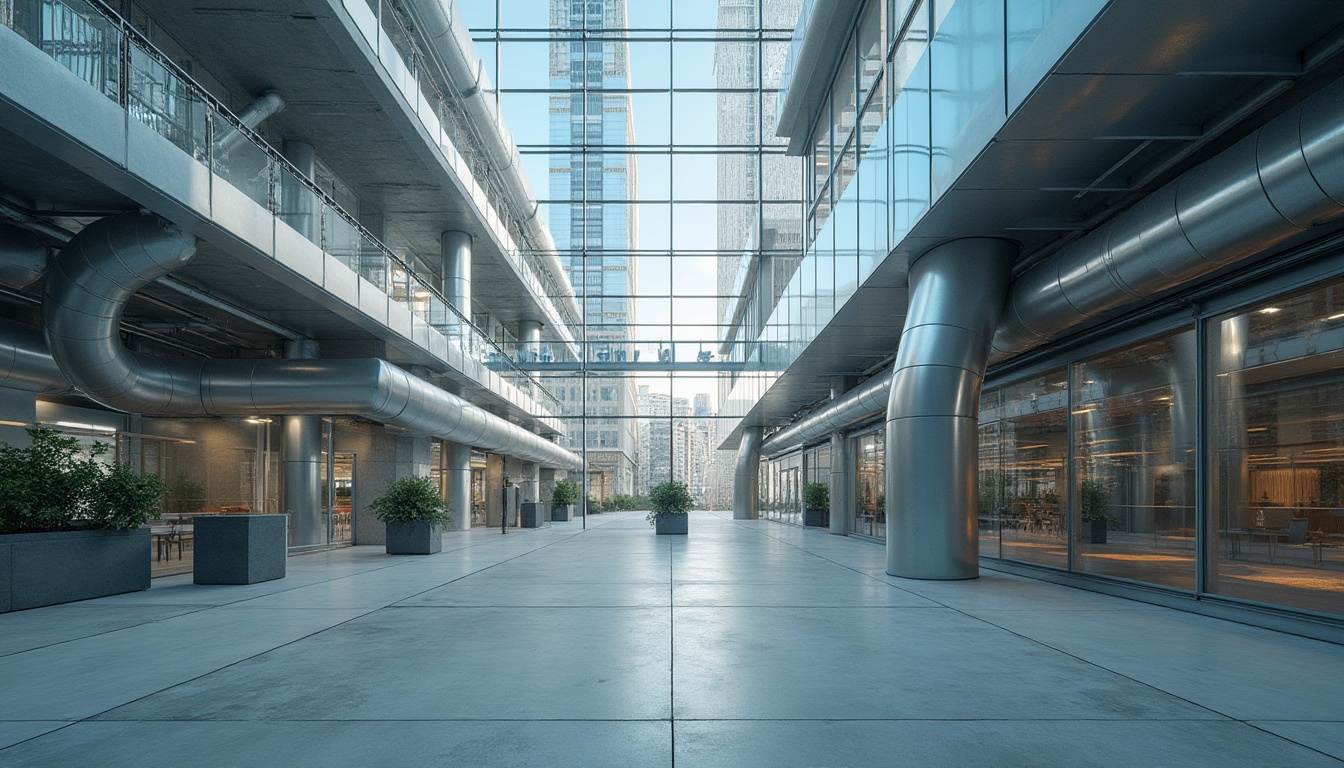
{"x": 744, "y": 644}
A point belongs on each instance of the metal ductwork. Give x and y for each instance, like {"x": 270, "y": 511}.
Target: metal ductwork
{"x": 957, "y": 291}
{"x": 254, "y": 114}
{"x": 25, "y": 362}
{"x": 445, "y": 31}
{"x": 101, "y": 268}
{"x": 862, "y": 402}
{"x": 23, "y": 257}
{"x": 746, "y": 478}
{"x": 1271, "y": 186}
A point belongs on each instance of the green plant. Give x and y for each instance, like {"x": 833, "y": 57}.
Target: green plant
{"x": 817, "y": 496}
{"x": 670, "y": 498}
{"x": 1094, "y": 501}
{"x": 409, "y": 500}
{"x": 186, "y": 496}
{"x": 564, "y": 494}
{"x": 56, "y": 484}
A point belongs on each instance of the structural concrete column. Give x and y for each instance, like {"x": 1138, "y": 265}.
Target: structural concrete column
{"x": 300, "y": 464}
{"x": 546, "y": 487}
{"x": 840, "y": 479}
{"x": 530, "y": 482}
{"x": 957, "y": 292}
{"x": 746, "y": 479}
{"x": 456, "y": 250}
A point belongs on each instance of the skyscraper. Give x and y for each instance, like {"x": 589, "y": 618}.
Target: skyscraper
{"x": 593, "y": 225}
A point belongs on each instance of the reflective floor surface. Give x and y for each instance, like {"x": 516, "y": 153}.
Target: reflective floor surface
{"x": 742, "y": 644}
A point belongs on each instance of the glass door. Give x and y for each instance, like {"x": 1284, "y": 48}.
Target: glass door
{"x": 338, "y": 495}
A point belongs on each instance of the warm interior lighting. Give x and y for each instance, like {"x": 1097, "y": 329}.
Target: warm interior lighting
{"x": 13, "y": 424}
{"x": 1258, "y": 429}
{"x": 1032, "y": 447}
{"x": 1336, "y": 316}
{"x": 257, "y": 420}
{"x": 1270, "y": 311}
{"x": 1088, "y": 409}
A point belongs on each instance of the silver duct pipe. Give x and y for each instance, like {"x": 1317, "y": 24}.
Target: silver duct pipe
{"x": 455, "y": 248}
{"x": 23, "y": 257}
{"x": 746, "y": 479}
{"x": 866, "y": 400}
{"x": 840, "y": 477}
{"x": 1279, "y": 182}
{"x": 957, "y": 291}
{"x": 101, "y": 268}
{"x": 253, "y": 115}
{"x": 25, "y": 362}
{"x": 450, "y": 40}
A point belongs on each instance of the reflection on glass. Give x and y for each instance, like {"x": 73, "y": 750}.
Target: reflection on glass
{"x": 1134, "y": 453}
{"x": 1277, "y": 464}
{"x": 870, "y": 489}
{"x": 1023, "y": 472}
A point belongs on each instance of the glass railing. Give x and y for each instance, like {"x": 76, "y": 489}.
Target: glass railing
{"x": 101, "y": 48}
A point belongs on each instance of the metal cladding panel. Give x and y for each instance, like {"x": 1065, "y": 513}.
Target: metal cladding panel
{"x": 934, "y": 390}
{"x": 931, "y": 482}
{"x": 950, "y": 345}
{"x": 1322, "y": 136}
{"x": 746, "y": 477}
{"x": 1287, "y": 178}
{"x": 23, "y": 257}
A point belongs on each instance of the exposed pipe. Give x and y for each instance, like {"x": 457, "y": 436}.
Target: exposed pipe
{"x": 236, "y": 311}
{"x": 450, "y": 40}
{"x": 23, "y": 258}
{"x": 25, "y": 362}
{"x": 864, "y": 401}
{"x": 1271, "y": 186}
{"x": 957, "y": 291}
{"x": 746, "y": 478}
{"x": 253, "y": 115}
{"x": 101, "y": 268}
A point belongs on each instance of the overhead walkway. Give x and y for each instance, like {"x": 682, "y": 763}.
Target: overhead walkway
{"x": 744, "y": 644}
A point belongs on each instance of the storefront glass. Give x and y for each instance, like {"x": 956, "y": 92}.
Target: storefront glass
{"x": 870, "y": 491}
{"x": 1276, "y": 464}
{"x": 1134, "y": 462}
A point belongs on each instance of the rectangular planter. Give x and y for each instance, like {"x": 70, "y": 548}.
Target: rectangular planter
{"x": 240, "y": 549}
{"x": 671, "y": 525}
{"x": 562, "y": 514}
{"x": 817, "y": 518}
{"x": 418, "y": 538}
{"x": 534, "y": 515}
{"x": 38, "y": 569}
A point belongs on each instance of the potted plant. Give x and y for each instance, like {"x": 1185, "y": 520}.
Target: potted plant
{"x": 669, "y": 504}
{"x": 563, "y": 496}
{"x": 1094, "y": 503}
{"x": 71, "y": 523}
{"x": 415, "y": 515}
{"x": 816, "y": 504}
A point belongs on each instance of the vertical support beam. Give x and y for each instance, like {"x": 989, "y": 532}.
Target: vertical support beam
{"x": 746, "y": 479}
{"x": 457, "y": 476}
{"x": 296, "y": 204}
{"x": 456, "y": 249}
{"x": 957, "y": 292}
{"x": 546, "y": 487}
{"x": 301, "y": 452}
{"x": 529, "y": 340}
{"x": 530, "y": 482}
{"x": 840, "y": 480}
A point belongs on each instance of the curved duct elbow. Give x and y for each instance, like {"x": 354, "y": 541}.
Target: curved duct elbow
{"x": 1273, "y": 185}
{"x": 25, "y": 362}
{"x": 259, "y": 111}
{"x": 102, "y": 267}
{"x": 746, "y": 477}
{"x": 23, "y": 257}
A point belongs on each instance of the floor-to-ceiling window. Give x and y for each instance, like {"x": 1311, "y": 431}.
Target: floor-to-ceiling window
{"x": 1276, "y": 451}
{"x": 869, "y": 516}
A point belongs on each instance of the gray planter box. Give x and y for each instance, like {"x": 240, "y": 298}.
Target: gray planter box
{"x": 562, "y": 514}
{"x": 1094, "y": 531}
{"x": 534, "y": 515}
{"x": 38, "y": 569}
{"x": 418, "y": 538}
{"x": 817, "y": 517}
{"x": 240, "y": 549}
{"x": 671, "y": 525}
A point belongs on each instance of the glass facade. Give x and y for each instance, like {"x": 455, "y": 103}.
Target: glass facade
{"x": 869, "y": 516}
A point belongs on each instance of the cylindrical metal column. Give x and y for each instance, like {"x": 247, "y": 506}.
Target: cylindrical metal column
{"x": 456, "y": 249}
{"x": 300, "y": 457}
{"x": 457, "y": 476}
{"x": 957, "y": 292}
{"x": 839, "y": 483}
{"x": 529, "y": 339}
{"x": 747, "y": 477}
{"x": 530, "y": 482}
{"x": 296, "y": 201}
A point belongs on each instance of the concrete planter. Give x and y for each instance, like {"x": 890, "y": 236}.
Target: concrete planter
{"x": 38, "y": 569}
{"x": 819, "y": 518}
{"x": 671, "y": 525}
{"x": 534, "y": 515}
{"x": 416, "y": 538}
{"x": 240, "y": 549}
{"x": 562, "y": 514}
